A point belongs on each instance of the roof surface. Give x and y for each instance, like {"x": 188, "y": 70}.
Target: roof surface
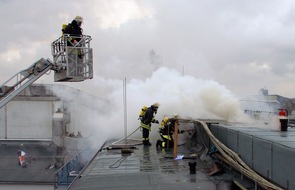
{"x": 39, "y": 157}
{"x": 147, "y": 168}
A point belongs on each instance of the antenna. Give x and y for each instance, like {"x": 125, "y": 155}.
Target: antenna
{"x": 154, "y": 58}
{"x": 125, "y": 109}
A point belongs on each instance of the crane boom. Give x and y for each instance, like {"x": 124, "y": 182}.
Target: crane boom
{"x": 72, "y": 63}
{"x": 22, "y": 80}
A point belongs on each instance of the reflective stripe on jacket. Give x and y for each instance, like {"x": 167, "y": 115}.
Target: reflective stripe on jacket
{"x": 146, "y": 126}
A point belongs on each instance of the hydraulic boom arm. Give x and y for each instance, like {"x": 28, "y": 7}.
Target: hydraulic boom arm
{"x": 23, "y": 79}
{"x": 72, "y": 63}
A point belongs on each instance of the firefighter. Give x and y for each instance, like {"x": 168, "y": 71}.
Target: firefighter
{"x": 74, "y": 30}
{"x": 74, "y": 49}
{"x": 166, "y": 132}
{"x": 22, "y": 158}
{"x": 146, "y": 122}
{"x": 283, "y": 117}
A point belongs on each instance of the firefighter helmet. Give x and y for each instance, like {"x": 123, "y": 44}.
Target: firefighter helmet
{"x": 156, "y": 105}
{"x": 78, "y": 19}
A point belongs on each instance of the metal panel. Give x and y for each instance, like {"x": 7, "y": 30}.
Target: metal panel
{"x": 214, "y": 129}
{"x": 232, "y": 140}
{"x": 245, "y": 148}
{"x": 262, "y": 157}
{"x": 269, "y": 152}
{"x": 222, "y": 134}
{"x": 283, "y": 166}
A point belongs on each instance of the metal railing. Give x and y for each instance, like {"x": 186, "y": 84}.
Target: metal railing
{"x": 72, "y": 170}
{"x": 73, "y": 61}
{"x": 23, "y": 79}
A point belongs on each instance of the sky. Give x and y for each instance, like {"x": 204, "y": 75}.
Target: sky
{"x": 237, "y": 46}
{"x": 243, "y": 45}
{"x": 213, "y": 54}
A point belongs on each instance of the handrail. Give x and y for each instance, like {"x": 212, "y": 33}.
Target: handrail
{"x": 74, "y": 62}
{"x": 72, "y": 170}
{"x": 23, "y": 79}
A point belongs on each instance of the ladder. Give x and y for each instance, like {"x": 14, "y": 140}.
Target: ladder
{"x": 71, "y": 63}
{"x": 23, "y": 79}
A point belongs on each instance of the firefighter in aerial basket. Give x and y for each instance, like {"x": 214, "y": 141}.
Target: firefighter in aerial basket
{"x": 75, "y": 53}
{"x": 146, "y": 121}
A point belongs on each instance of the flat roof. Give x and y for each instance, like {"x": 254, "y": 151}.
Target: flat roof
{"x": 147, "y": 168}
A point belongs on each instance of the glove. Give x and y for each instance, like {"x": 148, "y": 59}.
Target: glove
{"x": 75, "y": 43}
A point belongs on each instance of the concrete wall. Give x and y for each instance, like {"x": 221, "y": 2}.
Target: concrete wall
{"x": 30, "y": 115}
{"x": 26, "y": 120}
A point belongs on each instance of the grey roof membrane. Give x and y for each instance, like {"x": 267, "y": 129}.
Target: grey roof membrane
{"x": 148, "y": 168}
{"x": 144, "y": 168}
{"x": 39, "y": 157}
{"x": 153, "y": 168}
{"x": 286, "y": 138}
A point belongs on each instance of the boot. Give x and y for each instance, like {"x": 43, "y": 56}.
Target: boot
{"x": 147, "y": 143}
{"x": 158, "y": 145}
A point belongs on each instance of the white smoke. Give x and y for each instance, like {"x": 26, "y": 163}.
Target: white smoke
{"x": 186, "y": 96}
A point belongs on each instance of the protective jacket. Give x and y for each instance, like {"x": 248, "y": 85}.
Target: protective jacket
{"x": 148, "y": 118}
{"x": 168, "y": 128}
{"x": 75, "y": 32}
{"x": 166, "y": 132}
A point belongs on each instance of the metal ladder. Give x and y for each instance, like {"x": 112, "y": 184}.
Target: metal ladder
{"x": 22, "y": 80}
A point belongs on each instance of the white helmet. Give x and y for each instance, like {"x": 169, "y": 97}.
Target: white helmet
{"x": 78, "y": 19}
{"x": 156, "y": 105}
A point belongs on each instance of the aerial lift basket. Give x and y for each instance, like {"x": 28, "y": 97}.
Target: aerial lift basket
{"x": 74, "y": 62}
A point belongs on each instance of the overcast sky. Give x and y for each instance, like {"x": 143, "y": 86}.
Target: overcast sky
{"x": 242, "y": 45}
